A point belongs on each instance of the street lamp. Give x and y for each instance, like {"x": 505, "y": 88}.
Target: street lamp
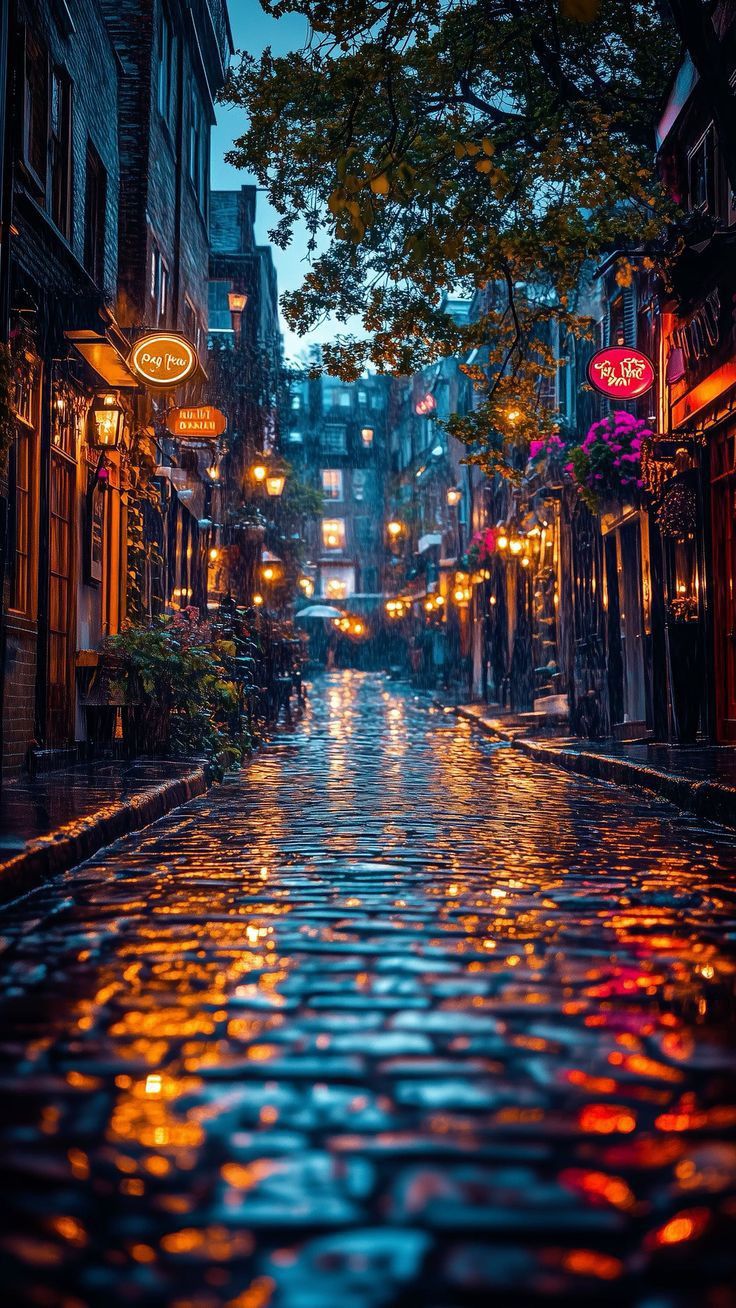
{"x": 394, "y": 528}
{"x": 236, "y": 302}
{"x": 454, "y": 496}
{"x": 259, "y": 472}
{"x": 275, "y": 483}
{"x": 107, "y": 421}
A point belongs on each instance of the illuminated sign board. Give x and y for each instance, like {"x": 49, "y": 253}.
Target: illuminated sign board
{"x": 163, "y": 360}
{"x": 621, "y": 373}
{"x": 202, "y": 423}
{"x": 425, "y": 404}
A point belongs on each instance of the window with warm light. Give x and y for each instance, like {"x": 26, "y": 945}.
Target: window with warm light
{"x": 332, "y": 483}
{"x": 336, "y": 590}
{"x": 366, "y": 436}
{"x": 333, "y": 533}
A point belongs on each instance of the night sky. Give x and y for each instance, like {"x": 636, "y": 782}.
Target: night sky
{"x": 254, "y": 30}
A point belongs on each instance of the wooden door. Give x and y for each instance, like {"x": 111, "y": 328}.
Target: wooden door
{"x": 723, "y": 520}
{"x": 60, "y": 699}
{"x": 631, "y": 622}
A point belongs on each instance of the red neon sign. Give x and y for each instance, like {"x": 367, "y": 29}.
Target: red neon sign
{"x": 426, "y": 404}
{"x": 621, "y": 372}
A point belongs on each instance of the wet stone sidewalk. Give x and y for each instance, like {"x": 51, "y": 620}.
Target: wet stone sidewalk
{"x": 397, "y": 1019}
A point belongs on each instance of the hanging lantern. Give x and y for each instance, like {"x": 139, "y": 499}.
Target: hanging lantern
{"x": 106, "y": 425}
{"x": 275, "y": 483}
{"x": 454, "y": 496}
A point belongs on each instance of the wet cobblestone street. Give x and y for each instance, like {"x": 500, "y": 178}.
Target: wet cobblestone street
{"x": 396, "y": 1019}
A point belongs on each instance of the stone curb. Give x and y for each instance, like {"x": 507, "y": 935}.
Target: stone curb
{"x": 708, "y": 800}
{"x": 45, "y": 856}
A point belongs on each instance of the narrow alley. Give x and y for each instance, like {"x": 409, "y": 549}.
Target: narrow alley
{"x": 395, "y": 1017}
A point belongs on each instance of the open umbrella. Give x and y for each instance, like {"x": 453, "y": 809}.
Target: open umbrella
{"x": 318, "y": 611}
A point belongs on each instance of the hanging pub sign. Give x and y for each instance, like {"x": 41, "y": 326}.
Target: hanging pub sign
{"x": 621, "y": 372}
{"x": 201, "y": 423}
{"x": 163, "y": 360}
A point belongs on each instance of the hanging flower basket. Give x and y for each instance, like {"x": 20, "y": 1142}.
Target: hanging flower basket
{"x": 607, "y": 466}
{"x": 482, "y": 548}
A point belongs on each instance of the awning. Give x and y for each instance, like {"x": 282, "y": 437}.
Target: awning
{"x": 103, "y": 357}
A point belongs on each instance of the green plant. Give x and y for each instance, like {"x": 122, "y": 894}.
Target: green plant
{"x": 180, "y": 697}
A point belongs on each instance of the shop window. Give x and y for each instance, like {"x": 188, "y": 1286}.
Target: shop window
{"x": 333, "y": 533}
{"x": 61, "y": 150}
{"x": 332, "y": 483}
{"x": 335, "y": 589}
{"x": 701, "y": 173}
{"x": 95, "y": 209}
{"x": 35, "y": 110}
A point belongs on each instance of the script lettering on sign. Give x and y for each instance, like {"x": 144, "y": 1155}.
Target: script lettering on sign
{"x": 621, "y": 372}
{"x": 163, "y": 360}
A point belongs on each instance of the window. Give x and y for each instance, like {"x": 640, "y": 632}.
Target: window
{"x": 332, "y": 483}
{"x": 365, "y": 532}
{"x": 95, "y": 207}
{"x": 294, "y": 437}
{"x": 366, "y": 436}
{"x": 333, "y": 533}
{"x": 159, "y": 286}
{"x": 359, "y": 483}
{"x": 61, "y": 150}
{"x": 219, "y": 308}
{"x": 190, "y": 324}
{"x": 336, "y": 589}
{"x": 362, "y": 397}
{"x": 339, "y": 397}
{"x": 296, "y": 403}
{"x": 334, "y": 439}
{"x": 701, "y": 173}
{"x": 35, "y": 110}
{"x": 22, "y": 519}
{"x": 166, "y": 66}
{"x": 198, "y": 150}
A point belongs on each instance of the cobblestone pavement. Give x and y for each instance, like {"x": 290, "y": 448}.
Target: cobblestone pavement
{"x": 397, "y": 1018}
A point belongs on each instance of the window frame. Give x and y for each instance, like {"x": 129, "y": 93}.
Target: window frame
{"x": 335, "y": 473}
{"x": 38, "y": 180}
{"x": 24, "y": 523}
{"x": 61, "y": 152}
{"x": 334, "y": 527}
{"x": 94, "y": 236}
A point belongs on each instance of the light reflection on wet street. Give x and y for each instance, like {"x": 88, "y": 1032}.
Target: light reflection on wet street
{"x": 396, "y": 1018}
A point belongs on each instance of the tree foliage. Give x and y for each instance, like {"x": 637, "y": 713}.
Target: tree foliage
{"x": 457, "y": 147}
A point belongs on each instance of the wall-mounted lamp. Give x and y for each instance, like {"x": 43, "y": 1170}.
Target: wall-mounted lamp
{"x": 236, "y": 302}
{"x": 106, "y": 421}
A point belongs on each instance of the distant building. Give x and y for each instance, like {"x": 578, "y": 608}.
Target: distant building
{"x": 340, "y": 431}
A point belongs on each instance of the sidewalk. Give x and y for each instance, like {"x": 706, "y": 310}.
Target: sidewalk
{"x": 698, "y": 778}
{"x": 61, "y": 818}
